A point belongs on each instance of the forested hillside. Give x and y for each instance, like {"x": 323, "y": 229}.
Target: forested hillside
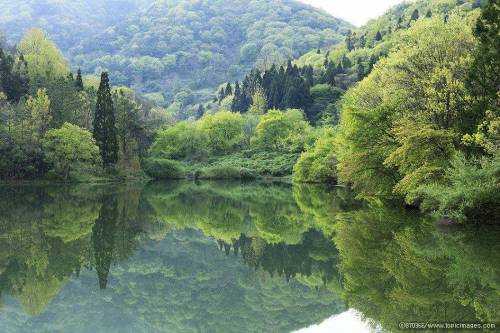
{"x": 165, "y": 47}
{"x": 66, "y": 22}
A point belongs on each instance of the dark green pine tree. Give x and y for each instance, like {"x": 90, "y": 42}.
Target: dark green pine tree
{"x": 309, "y": 75}
{"x": 400, "y": 23}
{"x": 346, "y": 63}
{"x": 349, "y": 41}
{"x": 330, "y": 73}
{"x": 340, "y": 70}
{"x": 326, "y": 62}
{"x": 362, "y": 41}
{"x": 222, "y": 94}
{"x": 247, "y": 90}
{"x": 238, "y": 103}
{"x": 414, "y": 15}
{"x": 104, "y": 123}
{"x": 378, "y": 36}
{"x": 361, "y": 70}
{"x": 429, "y": 13}
{"x": 229, "y": 89}
{"x": 12, "y": 81}
{"x": 371, "y": 63}
{"x": 79, "y": 80}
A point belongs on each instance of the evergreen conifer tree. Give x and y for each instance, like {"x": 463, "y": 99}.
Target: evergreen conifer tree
{"x": 414, "y": 15}
{"x": 222, "y": 94}
{"x": 104, "y": 123}
{"x": 229, "y": 90}
{"x": 79, "y": 80}
{"x": 237, "y": 105}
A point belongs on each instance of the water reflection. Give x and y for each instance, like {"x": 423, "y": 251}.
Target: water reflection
{"x": 270, "y": 257}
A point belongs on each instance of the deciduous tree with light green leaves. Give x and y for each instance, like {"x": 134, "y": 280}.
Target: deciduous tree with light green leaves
{"x": 223, "y": 131}
{"x": 45, "y": 61}
{"x": 421, "y": 85}
{"x": 70, "y": 147}
{"x": 38, "y": 108}
{"x": 284, "y": 131}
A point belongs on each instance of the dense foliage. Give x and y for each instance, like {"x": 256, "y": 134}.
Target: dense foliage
{"x": 47, "y": 114}
{"x": 168, "y": 47}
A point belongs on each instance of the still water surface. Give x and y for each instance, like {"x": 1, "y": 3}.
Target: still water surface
{"x": 233, "y": 257}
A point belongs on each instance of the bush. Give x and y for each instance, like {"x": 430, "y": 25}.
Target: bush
{"x": 181, "y": 141}
{"x": 471, "y": 191}
{"x": 318, "y": 164}
{"x": 281, "y": 131}
{"x": 70, "y": 147}
{"x": 223, "y": 131}
{"x": 226, "y": 171}
{"x": 161, "y": 168}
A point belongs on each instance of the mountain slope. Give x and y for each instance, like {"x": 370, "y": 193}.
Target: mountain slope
{"x": 65, "y": 21}
{"x": 179, "y": 45}
{"x": 376, "y": 39}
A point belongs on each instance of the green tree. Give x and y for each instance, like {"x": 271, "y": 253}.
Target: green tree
{"x": 180, "y": 141}
{"x": 238, "y": 103}
{"x": 13, "y": 82}
{"x": 45, "y": 61}
{"x": 70, "y": 147}
{"x": 483, "y": 81}
{"x": 434, "y": 100}
{"x": 223, "y": 131}
{"x": 259, "y": 102}
{"x": 129, "y": 129}
{"x": 38, "y": 107}
{"x": 104, "y": 123}
{"x": 79, "y": 80}
{"x": 414, "y": 15}
{"x": 318, "y": 163}
{"x": 229, "y": 90}
{"x": 281, "y": 131}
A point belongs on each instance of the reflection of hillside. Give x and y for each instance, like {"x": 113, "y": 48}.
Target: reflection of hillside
{"x": 46, "y": 237}
{"x": 315, "y": 256}
{"x": 290, "y": 252}
{"x": 272, "y": 212}
{"x": 398, "y": 267}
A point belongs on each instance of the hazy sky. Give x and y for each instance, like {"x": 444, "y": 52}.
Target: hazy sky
{"x": 357, "y": 12}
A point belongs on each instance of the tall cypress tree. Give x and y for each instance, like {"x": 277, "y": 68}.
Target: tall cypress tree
{"x": 79, "y": 81}
{"x": 104, "y": 123}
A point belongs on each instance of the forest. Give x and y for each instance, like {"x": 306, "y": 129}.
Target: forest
{"x": 404, "y": 110}
{"x": 174, "y": 50}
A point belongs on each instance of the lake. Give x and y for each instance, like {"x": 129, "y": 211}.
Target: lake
{"x": 234, "y": 257}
